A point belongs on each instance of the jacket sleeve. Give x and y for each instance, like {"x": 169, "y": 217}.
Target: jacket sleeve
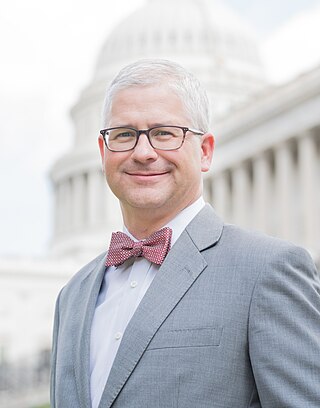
{"x": 54, "y": 354}
{"x": 284, "y": 331}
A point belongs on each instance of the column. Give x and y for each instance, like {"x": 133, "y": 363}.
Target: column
{"x": 110, "y": 213}
{"x": 284, "y": 178}
{"x": 58, "y": 209}
{"x": 261, "y": 192}
{"x": 78, "y": 201}
{"x": 94, "y": 198}
{"x": 241, "y": 195}
{"x": 221, "y": 194}
{"x": 65, "y": 213}
{"x": 207, "y": 189}
{"x": 309, "y": 187}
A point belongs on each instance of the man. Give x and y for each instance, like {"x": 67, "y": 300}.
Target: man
{"x": 222, "y": 318}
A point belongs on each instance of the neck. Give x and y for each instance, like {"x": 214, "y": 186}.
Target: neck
{"x": 142, "y": 222}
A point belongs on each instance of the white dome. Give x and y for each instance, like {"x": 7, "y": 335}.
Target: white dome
{"x": 186, "y": 27}
{"x": 203, "y": 35}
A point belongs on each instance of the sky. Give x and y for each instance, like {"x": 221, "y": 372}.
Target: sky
{"x": 48, "y": 54}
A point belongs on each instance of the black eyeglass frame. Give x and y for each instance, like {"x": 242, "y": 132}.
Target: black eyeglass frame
{"x": 146, "y": 132}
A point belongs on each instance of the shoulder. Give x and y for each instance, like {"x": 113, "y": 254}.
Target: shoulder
{"x": 260, "y": 247}
{"x": 259, "y": 256}
{"x": 232, "y": 246}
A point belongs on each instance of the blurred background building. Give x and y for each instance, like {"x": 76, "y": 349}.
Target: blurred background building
{"x": 265, "y": 174}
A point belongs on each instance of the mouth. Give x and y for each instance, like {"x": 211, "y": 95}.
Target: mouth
{"x": 149, "y": 174}
{"x": 145, "y": 177}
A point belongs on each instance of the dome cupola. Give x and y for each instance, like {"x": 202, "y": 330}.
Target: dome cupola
{"x": 203, "y": 35}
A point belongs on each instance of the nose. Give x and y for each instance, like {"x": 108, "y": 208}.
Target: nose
{"x": 144, "y": 151}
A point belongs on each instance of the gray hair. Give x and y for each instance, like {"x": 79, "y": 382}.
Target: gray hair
{"x": 148, "y": 72}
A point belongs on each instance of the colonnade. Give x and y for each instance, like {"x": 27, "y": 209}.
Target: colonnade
{"x": 276, "y": 191}
{"x": 84, "y": 203}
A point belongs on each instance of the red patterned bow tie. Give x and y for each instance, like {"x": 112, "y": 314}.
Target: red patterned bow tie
{"x": 154, "y": 248}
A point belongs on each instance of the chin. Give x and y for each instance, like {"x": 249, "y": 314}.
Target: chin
{"x": 147, "y": 202}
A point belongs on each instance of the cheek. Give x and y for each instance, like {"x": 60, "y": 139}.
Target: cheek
{"x": 192, "y": 162}
{"x": 111, "y": 175}
{"x": 112, "y": 164}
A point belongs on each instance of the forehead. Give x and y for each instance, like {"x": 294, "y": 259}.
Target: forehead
{"x": 154, "y": 103}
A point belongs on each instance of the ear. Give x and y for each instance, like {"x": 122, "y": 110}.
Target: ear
{"x": 101, "y": 148}
{"x": 207, "y": 148}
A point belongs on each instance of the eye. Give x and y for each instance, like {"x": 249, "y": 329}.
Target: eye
{"x": 124, "y": 134}
{"x": 121, "y": 134}
{"x": 163, "y": 133}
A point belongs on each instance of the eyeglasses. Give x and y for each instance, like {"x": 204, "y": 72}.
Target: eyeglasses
{"x": 122, "y": 139}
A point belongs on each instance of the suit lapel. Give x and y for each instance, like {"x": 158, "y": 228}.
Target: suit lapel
{"x": 88, "y": 294}
{"x": 180, "y": 269}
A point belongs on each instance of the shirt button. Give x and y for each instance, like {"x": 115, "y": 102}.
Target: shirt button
{"x": 118, "y": 336}
{"x": 133, "y": 284}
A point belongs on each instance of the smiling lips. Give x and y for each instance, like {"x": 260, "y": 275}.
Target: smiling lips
{"x": 146, "y": 176}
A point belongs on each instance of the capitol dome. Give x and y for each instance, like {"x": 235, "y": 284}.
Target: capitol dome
{"x": 207, "y": 38}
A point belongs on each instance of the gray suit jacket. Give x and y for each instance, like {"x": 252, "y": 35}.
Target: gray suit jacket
{"x": 231, "y": 320}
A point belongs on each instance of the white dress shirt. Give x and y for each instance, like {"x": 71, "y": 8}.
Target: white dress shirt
{"x": 122, "y": 289}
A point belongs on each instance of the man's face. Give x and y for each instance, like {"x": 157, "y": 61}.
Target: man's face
{"x": 154, "y": 180}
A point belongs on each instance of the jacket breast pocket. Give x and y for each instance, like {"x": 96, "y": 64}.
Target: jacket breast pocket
{"x": 199, "y": 337}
